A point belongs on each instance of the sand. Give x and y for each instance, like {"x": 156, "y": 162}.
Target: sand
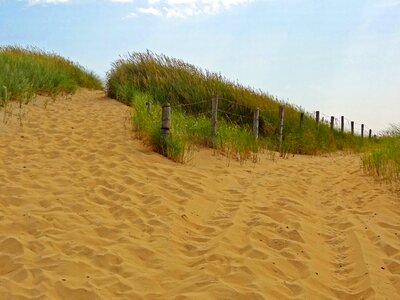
{"x": 89, "y": 212}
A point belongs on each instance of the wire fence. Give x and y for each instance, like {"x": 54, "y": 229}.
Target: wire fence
{"x": 231, "y": 116}
{"x": 225, "y": 106}
{"x": 190, "y": 104}
{"x": 337, "y": 123}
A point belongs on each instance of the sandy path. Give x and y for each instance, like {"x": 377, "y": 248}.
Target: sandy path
{"x": 87, "y": 212}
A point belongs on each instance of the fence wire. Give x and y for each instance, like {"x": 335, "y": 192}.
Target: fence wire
{"x": 232, "y": 114}
{"x": 190, "y": 104}
{"x": 234, "y": 103}
{"x": 324, "y": 118}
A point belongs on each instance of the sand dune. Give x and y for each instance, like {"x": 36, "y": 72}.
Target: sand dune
{"x": 88, "y": 212}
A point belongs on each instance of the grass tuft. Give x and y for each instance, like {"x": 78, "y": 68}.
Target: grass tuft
{"x": 29, "y": 71}
{"x": 384, "y": 159}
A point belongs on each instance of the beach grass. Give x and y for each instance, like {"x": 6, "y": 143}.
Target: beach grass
{"x": 384, "y": 159}
{"x": 168, "y": 80}
{"x": 187, "y": 131}
{"x": 25, "y": 72}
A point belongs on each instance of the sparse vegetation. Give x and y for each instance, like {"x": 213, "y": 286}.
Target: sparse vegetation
{"x": 26, "y": 72}
{"x": 384, "y": 160}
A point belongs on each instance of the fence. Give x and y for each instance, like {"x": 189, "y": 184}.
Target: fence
{"x": 345, "y": 125}
{"x": 166, "y": 116}
{"x": 341, "y": 124}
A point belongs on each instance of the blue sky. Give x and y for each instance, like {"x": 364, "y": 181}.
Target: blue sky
{"x": 339, "y": 57}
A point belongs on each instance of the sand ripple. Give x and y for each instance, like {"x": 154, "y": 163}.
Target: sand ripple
{"x": 88, "y": 212}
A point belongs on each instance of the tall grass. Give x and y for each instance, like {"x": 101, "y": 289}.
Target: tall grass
{"x": 384, "y": 160}
{"x": 187, "y": 131}
{"x": 171, "y": 80}
{"x": 28, "y": 71}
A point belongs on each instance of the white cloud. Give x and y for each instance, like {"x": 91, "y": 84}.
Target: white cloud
{"x": 123, "y": 1}
{"x": 172, "y": 8}
{"x": 36, "y": 2}
{"x": 130, "y": 16}
{"x": 186, "y": 8}
{"x": 150, "y": 11}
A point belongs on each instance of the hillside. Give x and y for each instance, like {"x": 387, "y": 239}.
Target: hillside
{"x": 26, "y": 72}
{"x": 190, "y": 90}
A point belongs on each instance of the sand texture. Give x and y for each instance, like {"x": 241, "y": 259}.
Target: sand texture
{"x": 88, "y": 212}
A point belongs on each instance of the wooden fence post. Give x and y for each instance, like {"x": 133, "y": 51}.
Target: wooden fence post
{"x": 332, "y": 122}
{"x": 370, "y": 134}
{"x": 362, "y": 130}
{"x": 214, "y": 118}
{"x": 317, "y": 118}
{"x": 148, "y": 105}
{"x": 256, "y": 123}
{"x": 302, "y": 120}
{"x": 280, "y": 129}
{"x": 165, "y": 120}
{"x": 342, "y": 124}
{"x": 352, "y": 127}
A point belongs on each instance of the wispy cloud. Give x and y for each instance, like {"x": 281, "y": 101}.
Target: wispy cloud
{"x": 36, "y": 2}
{"x": 130, "y": 16}
{"x": 185, "y": 8}
{"x": 150, "y": 11}
{"x": 169, "y": 8}
{"x": 389, "y": 3}
{"x": 123, "y": 1}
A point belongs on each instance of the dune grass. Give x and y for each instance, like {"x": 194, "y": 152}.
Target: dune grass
{"x": 25, "y": 72}
{"x": 165, "y": 79}
{"x": 384, "y": 159}
{"x": 188, "y": 131}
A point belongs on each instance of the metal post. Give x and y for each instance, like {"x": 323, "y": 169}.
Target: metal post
{"x": 332, "y": 122}
{"x": 317, "y": 118}
{"x": 352, "y": 127}
{"x": 362, "y": 130}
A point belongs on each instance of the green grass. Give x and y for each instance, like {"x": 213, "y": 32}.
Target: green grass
{"x": 187, "y": 131}
{"x": 164, "y": 79}
{"x": 28, "y": 71}
{"x": 384, "y": 159}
